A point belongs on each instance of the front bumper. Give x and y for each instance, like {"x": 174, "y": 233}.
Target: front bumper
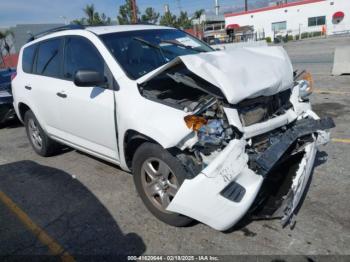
{"x": 206, "y": 198}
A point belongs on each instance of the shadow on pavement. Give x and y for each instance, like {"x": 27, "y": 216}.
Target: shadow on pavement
{"x": 66, "y": 210}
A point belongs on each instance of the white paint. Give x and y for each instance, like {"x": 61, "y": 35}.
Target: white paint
{"x": 239, "y": 73}
{"x": 229, "y": 46}
{"x": 200, "y": 197}
{"x": 296, "y": 17}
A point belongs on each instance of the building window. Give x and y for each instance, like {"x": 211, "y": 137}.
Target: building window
{"x": 279, "y": 26}
{"x": 315, "y": 21}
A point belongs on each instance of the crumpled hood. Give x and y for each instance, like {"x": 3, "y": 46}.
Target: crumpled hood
{"x": 240, "y": 73}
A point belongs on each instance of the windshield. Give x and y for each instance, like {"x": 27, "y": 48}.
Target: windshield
{"x": 139, "y": 52}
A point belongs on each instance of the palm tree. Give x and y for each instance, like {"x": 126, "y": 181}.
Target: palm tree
{"x": 197, "y": 14}
{"x": 92, "y": 17}
{"x": 89, "y": 10}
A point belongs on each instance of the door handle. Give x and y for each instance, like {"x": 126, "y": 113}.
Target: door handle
{"x": 28, "y": 87}
{"x": 61, "y": 95}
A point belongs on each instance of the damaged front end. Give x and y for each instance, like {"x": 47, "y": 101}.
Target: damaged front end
{"x": 252, "y": 154}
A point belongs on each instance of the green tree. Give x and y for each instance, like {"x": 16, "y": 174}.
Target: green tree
{"x": 125, "y": 13}
{"x": 183, "y": 21}
{"x": 150, "y": 16}
{"x": 93, "y": 17}
{"x": 197, "y": 14}
{"x": 168, "y": 19}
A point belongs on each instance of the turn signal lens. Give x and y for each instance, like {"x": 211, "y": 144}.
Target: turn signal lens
{"x": 195, "y": 122}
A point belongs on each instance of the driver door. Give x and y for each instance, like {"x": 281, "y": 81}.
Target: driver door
{"x": 87, "y": 113}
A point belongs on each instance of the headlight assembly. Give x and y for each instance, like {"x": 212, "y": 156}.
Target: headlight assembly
{"x": 306, "y": 85}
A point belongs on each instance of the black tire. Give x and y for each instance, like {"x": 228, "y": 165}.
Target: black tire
{"x": 48, "y": 146}
{"x": 150, "y": 151}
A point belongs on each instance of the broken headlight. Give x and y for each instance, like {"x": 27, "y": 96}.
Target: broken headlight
{"x": 211, "y": 126}
{"x": 306, "y": 85}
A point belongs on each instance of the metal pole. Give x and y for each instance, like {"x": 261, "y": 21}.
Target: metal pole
{"x": 134, "y": 11}
{"x": 246, "y": 5}
{"x": 217, "y": 7}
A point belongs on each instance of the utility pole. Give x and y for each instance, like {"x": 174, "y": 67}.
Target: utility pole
{"x": 179, "y": 5}
{"x": 246, "y": 5}
{"x": 217, "y": 7}
{"x": 134, "y": 11}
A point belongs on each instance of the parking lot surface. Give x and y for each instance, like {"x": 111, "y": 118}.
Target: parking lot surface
{"x": 74, "y": 204}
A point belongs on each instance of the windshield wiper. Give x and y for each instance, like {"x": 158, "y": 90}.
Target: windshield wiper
{"x": 173, "y": 42}
{"x": 154, "y": 46}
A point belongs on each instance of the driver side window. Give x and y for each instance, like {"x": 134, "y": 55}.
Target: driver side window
{"x": 80, "y": 54}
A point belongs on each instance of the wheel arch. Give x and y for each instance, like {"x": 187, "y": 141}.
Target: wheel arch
{"x": 132, "y": 141}
{"x": 22, "y": 109}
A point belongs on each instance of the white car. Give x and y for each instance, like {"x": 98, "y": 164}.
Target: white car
{"x": 209, "y": 135}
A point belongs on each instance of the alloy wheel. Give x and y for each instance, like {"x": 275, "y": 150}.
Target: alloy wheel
{"x": 34, "y": 133}
{"x": 159, "y": 183}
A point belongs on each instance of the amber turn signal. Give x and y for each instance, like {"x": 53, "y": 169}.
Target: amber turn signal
{"x": 195, "y": 122}
{"x": 308, "y": 77}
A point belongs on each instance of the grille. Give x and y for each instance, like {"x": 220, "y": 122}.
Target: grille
{"x": 263, "y": 108}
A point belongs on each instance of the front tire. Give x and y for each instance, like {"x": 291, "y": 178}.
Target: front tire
{"x": 157, "y": 177}
{"x": 41, "y": 143}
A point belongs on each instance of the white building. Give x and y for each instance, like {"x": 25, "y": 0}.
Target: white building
{"x": 295, "y": 18}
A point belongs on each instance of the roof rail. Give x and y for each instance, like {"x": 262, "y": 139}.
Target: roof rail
{"x": 56, "y": 29}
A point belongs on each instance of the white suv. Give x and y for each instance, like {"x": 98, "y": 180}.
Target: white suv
{"x": 208, "y": 135}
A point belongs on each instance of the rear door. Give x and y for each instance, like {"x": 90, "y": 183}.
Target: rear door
{"x": 45, "y": 81}
{"x": 87, "y": 113}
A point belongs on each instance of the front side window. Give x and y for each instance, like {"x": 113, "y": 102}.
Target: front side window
{"x": 49, "y": 58}
{"x": 80, "y": 54}
{"x": 316, "y": 21}
{"x": 139, "y": 52}
{"x": 28, "y": 58}
{"x": 279, "y": 26}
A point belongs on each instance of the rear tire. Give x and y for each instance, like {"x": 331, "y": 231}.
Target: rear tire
{"x": 41, "y": 143}
{"x": 157, "y": 177}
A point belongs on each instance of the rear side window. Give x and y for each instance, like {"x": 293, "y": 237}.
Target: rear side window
{"x": 80, "y": 54}
{"x": 49, "y": 58}
{"x": 28, "y": 58}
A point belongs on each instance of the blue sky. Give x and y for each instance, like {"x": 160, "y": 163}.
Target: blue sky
{"x": 49, "y": 11}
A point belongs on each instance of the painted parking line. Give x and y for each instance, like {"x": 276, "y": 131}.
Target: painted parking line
{"x": 325, "y": 91}
{"x": 341, "y": 140}
{"x": 37, "y": 231}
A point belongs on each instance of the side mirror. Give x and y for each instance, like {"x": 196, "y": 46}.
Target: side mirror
{"x": 89, "y": 78}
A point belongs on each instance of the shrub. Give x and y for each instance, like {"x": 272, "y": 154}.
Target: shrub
{"x": 318, "y": 33}
{"x": 296, "y": 37}
{"x": 304, "y": 35}
{"x": 268, "y": 39}
{"x": 290, "y": 38}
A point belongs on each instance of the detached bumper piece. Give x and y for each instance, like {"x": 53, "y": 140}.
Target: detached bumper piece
{"x": 269, "y": 158}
